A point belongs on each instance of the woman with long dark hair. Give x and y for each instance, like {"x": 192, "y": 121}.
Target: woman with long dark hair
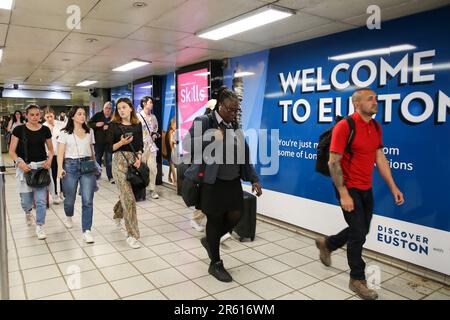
{"x": 75, "y": 145}
{"x": 221, "y": 196}
{"x": 17, "y": 119}
{"x": 124, "y": 137}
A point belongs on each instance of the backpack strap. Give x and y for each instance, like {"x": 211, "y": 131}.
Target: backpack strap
{"x": 351, "y": 136}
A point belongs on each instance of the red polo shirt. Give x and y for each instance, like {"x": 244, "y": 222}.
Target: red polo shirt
{"x": 358, "y": 171}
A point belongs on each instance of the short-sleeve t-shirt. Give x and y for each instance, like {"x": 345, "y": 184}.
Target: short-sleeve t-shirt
{"x": 357, "y": 169}
{"x": 35, "y": 141}
{"x": 77, "y": 147}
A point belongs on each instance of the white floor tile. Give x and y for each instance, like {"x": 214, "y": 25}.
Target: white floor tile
{"x": 194, "y": 270}
{"x": 69, "y": 255}
{"x": 268, "y": 288}
{"x": 100, "y": 292}
{"x": 17, "y": 293}
{"x": 151, "y": 295}
{"x": 164, "y": 278}
{"x": 184, "y": 291}
{"x": 293, "y": 259}
{"x": 318, "y": 270}
{"x": 72, "y": 267}
{"x": 238, "y": 293}
{"x": 245, "y": 274}
{"x": 437, "y": 296}
{"x": 324, "y": 291}
{"x": 118, "y": 272}
{"x": 138, "y": 254}
{"x": 271, "y": 249}
{"x": 41, "y": 273}
{"x": 270, "y": 266}
{"x": 166, "y": 248}
{"x": 295, "y": 279}
{"x": 15, "y": 279}
{"x": 36, "y": 261}
{"x": 131, "y": 286}
{"x": 85, "y": 279}
{"x": 294, "y": 296}
{"x": 61, "y": 296}
{"x": 292, "y": 244}
{"x": 151, "y": 265}
{"x": 213, "y": 286}
{"x": 180, "y": 258}
{"x": 32, "y": 251}
{"x": 108, "y": 260}
{"x": 99, "y": 249}
{"x": 406, "y": 288}
{"x": 248, "y": 255}
{"x": 46, "y": 288}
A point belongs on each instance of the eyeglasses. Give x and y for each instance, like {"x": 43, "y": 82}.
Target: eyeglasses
{"x": 231, "y": 110}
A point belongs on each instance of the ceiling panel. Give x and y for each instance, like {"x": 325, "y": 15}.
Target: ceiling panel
{"x": 129, "y": 49}
{"x": 399, "y": 10}
{"x": 320, "y": 31}
{"x": 195, "y": 15}
{"x": 3, "y": 31}
{"x": 45, "y": 75}
{"x": 64, "y": 61}
{"x": 77, "y": 43}
{"x": 49, "y": 14}
{"x": 158, "y": 35}
{"x": 184, "y": 56}
{"x": 224, "y": 45}
{"x": 4, "y": 16}
{"x": 19, "y": 57}
{"x": 296, "y": 23}
{"x": 123, "y": 11}
{"x": 340, "y": 10}
{"x": 33, "y": 38}
{"x": 106, "y": 28}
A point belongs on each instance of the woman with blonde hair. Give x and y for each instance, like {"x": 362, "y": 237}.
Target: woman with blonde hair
{"x": 125, "y": 139}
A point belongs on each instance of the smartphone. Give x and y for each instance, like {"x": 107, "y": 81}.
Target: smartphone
{"x": 126, "y": 135}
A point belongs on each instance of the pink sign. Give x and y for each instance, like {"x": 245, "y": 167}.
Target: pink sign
{"x": 192, "y": 98}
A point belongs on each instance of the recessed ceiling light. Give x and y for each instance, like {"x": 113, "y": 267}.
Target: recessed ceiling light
{"x": 86, "y": 83}
{"x": 131, "y": 65}
{"x": 6, "y": 4}
{"x": 139, "y": 4}
{"x": 245, "y": 22}
{"x": 91, "y": 40}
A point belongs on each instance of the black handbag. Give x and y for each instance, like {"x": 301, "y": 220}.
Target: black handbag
{"x": 86, "y": 166}
{"x": 38, "y": 178}
{"x": 139, "y": 178}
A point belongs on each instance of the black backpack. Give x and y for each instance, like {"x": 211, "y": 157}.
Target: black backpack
{"x": 323, "y": 148}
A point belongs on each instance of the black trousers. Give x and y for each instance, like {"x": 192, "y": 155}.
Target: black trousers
{"x": 216, "y": 227}
{"x": 354, "y": 236}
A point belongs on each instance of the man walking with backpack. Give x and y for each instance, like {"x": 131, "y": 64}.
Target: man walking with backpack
{"x": 351, "y": 169}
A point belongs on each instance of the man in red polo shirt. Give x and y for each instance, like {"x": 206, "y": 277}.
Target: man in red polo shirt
{"x": 352, "y": 177}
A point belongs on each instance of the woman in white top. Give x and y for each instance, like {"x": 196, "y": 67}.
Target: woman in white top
{"x": 75, "y": 145}
{"x": 55, "y": 127}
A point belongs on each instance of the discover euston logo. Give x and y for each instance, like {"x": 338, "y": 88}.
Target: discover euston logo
{"x": 403, "y": 239}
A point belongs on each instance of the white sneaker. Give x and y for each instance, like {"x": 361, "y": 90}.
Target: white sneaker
{"x": 40, "y": 233}
{"x": 225, "y": 237}
{"x": 56, "y": 199}
{"x": 132, "y": 242}
{"x": 118, "y": 222}
{"x": 197, "y": 226}
{"x": 68, "y": 222}
{"x": 154, "y": 195}
{"x": 29, "y": 219}
{"x": 87, "y": 236}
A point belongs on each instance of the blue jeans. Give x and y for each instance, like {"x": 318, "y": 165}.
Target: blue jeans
{"x": 39, "y": 195}
{"x": 100, "y": 149}
{"x": 87, "y": 187}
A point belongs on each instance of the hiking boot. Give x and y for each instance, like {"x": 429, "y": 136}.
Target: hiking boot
{"x": 206, "y": 246}
{"x": 360, "y": 287}
{"x": 325, "y": 254}
{"x": 217, "y": 270}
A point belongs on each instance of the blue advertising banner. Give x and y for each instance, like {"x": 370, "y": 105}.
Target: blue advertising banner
{"x": 310, "y": 82}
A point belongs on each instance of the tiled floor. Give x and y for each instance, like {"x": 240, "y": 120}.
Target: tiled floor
{"x": 172, "y": 264}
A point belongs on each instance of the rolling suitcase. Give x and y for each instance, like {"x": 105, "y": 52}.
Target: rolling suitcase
{"x": 246, "y": 228}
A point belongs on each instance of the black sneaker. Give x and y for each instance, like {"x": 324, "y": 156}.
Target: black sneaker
{"x": 217, "y": 270}
{"x": 206, "y": 246}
